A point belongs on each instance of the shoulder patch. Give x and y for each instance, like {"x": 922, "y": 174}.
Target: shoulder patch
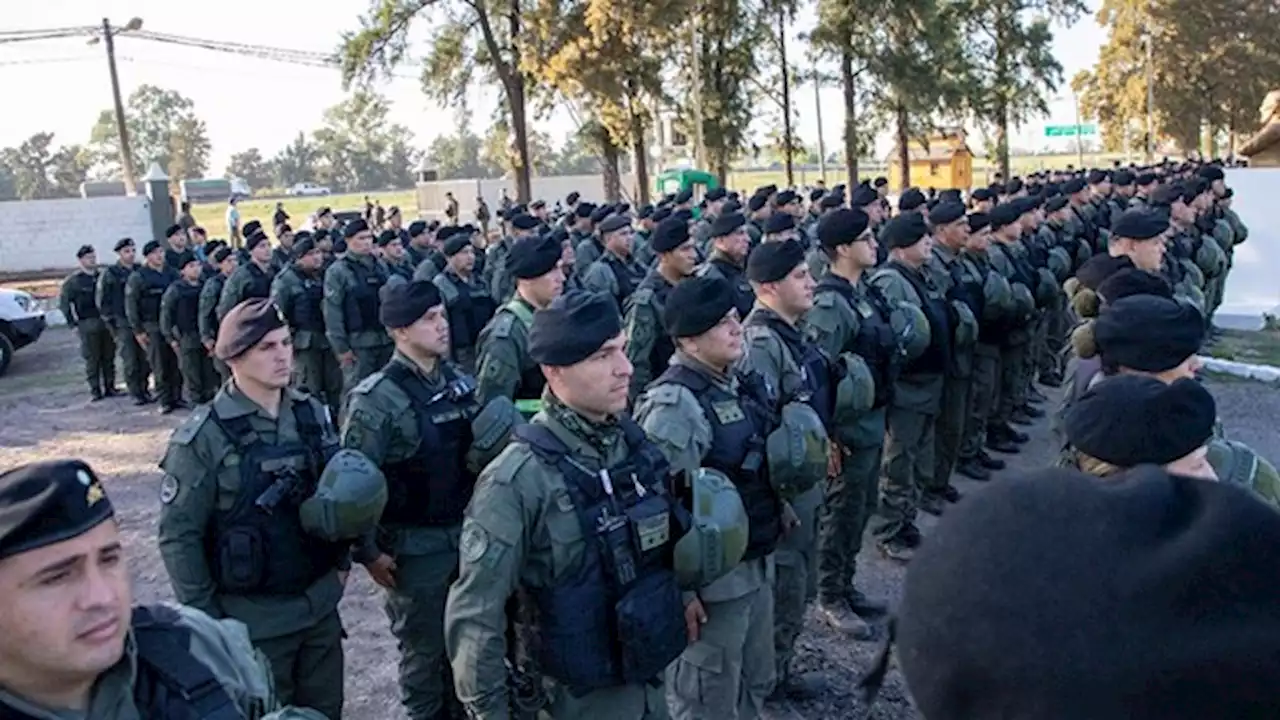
{"x": 824, "y": 300}
{"x": 502, "y": 325}
{"x": 367, "y": 384}
{"x": 664, "y": 394}
{"x": 190, "y": 428}
{"x": 447, "y": 288}
{"x": 642, "y": 296}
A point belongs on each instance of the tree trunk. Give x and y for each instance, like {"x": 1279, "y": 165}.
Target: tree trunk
{"x": 787, "y": 142}
{"x": 904, "y": 148}
{"x": 640, "y": 151}
{"x": 519, "y": 120}
{"x": 848, "y": 83}
{"x": 609, "y": 165}
{"x": 1002, "y": 105}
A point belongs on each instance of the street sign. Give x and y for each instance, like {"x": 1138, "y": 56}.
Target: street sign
{"x": 1069, "y": 130}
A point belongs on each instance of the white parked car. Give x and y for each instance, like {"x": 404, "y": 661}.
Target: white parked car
{"x": 306, "y": 189}
{"x": 21, "y": 323}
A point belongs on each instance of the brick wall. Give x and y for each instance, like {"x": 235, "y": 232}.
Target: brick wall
{"x": 45, "y": 234}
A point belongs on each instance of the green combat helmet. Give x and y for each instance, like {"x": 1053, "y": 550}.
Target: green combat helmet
{"x": 348, "y": 500}
{"x": 965, "y": 332}
{"x": 797, "y": 451}
{"x": 998, "y": 295}
{"x": 1060, "y": 264}
{"x": 1237, "y": 464}
{"x": 1046, "y": 287}
{"x": 911, "y": 328}
{"x": 856, "y": 390}
{"x": 1023, "y": 302}
{"x": 1210, "y": 258}
{"x": 717, "y": 538}
{"x": 491, "y": 431}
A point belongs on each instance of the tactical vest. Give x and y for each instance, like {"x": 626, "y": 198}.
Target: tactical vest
{"x": 432, "y": 486}
{"x": 83, "y": 303}
{"x": 257, "y": 550}
{"x": 308, "y": 314}
{"x": 937, "y": 357}
{"x": 218, "y": 281}
{"x": 739, "y": 426}
{"x": 154, "y": 283}
{"x": 622, "y": 276}
{"x": 966, "y": 289}
{"x": 618, "y": 618}
{"x": 113, "y": 300}
{"x": 361, "y": 304}
{"x": 186, "y": 309}
{"x": 532, "y": 380}
{"x": 664, "y": 346}
{"x": 468, "y": 312}
{"x": 817, "y": 372}
{"x": 875, "y": 341}
{"x": 259, "y": 283}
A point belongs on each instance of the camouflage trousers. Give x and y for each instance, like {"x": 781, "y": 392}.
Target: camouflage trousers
{"x": 1056, "y": 329}
{"x": 201, "y": 380}
{"x": 308, "y": 666}
{"x": 133, "y": 360}
{"x": 850, "y": 501}
{"x": 953, "y": 417}
{"x": 98, "y": 349}
{"x": 164, "y": 363}
{"x": 1035, "y": 351}
{"x": 316, "y": 370}
{"x": 795, "y": 583}
{"x": 1013, "y": 381}
{"x": 908, "y": 466}
{"x": 984, "y": 395}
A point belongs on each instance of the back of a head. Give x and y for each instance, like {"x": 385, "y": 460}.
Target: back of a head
{"x": 1063, "y": 597}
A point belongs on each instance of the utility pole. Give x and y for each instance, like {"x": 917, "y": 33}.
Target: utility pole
{"x": 1075, "y": 99}
{"x": 817, "y": 103}
{"x": 786, "y": 97}
{"x": 699, "y": 147}
{"x": 1150, "y": 102}
{"x": 126, "y": 155}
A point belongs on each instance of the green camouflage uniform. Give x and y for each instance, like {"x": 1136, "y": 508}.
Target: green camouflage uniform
{"x": 503, "y": 367}
{"x": 179, "y": 323}
{"x": 159, "y": 355}
{"x": 587, "y": 251}
{"x": 944, "y": 267}
{"x": 300, "y": 634}
{"x": 985, "y": 390}
{"x": 730, "y": 670}
{"x": 110, "y": 299}
{"x": 210, "y": 293}
{"x": 240, "y": 286}
{"x": 522, "y": 531}
{"x": 645, "y": 332}
{"x": 1014, "y": 349}
{"x": 300, "y": 297}
{"x": 369, "y": 343}
{"x": 79, "y": 306}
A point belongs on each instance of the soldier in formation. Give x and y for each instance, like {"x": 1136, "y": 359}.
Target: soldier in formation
{"x": 143, "y": 292}
{"x": 79, "y": 305}
{"x": 110, "y": 298}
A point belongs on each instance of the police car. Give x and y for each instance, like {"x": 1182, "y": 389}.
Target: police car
{"x": 21, "y": 323}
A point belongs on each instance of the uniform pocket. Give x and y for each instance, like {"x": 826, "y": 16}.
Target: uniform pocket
{"x": 699, "y": 673}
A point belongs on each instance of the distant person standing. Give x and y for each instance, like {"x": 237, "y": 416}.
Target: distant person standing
{"x": 379, "y": 215}
{"x": 110, "y": 295}
{"x": 280, "y": 217}
{"x": 79, "y": 305}
{"x": 368, "y": 209}
{"x": 482, "y": 215}
{"x": 185, "y": 219}
{"x": 451, "y": 208}
{"x": 233, "y": 223}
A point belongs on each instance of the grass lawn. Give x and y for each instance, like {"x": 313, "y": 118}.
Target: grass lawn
{"x": 212, "y": 216}
{"x": 1260, "y": 347}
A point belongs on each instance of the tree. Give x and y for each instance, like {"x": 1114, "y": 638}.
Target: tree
{"x": 37, "y": 170}
{"x": 296, "y": 163}
{"x": 250, "y": 167}
{"x": 498, "y": 157}
{"x": 575, "y": 157}
{"x": 458, "y": 156}
{"x": 163, "y": 128}
{"x": 473, "y": 41}
{"x": 1010, "y": 54}
{"x": 359, "y": 149}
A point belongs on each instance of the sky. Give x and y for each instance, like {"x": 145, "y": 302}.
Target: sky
{"x": 62, "y": 85}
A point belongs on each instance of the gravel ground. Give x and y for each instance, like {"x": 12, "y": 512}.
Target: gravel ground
{"x": 44, "y": 413}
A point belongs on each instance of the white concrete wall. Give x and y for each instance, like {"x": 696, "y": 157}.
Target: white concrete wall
{"x": 548, "y": 189}
{"x": 45, "y": 234}
{"x": 1252, "y": 287}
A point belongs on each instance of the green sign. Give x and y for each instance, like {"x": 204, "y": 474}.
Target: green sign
{"x": 1069, "y": 130}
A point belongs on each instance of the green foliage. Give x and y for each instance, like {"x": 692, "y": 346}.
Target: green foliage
{"x": 296, "y": 162}
{"x": 37, "y": 170}
{"x": 358, "y": 149}
{"x": 163, "y": 128}
{"x": 251, "y": 167}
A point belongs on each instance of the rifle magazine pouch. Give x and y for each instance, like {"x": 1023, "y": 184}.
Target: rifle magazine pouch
{"x": 241, "y": 560}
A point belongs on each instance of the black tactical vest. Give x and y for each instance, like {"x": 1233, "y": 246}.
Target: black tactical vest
{"x": 217, "y": 281}
{"x": 968, "y": 290}
{"x": 739, "y": 425}
{"x": 468, "y": 312}
{"x": 307, "y": 307}
{"x": 186, "y": 309}
{"x": 618, "y": 618}
{"x": 154, "y": 283}
{"x": 743, "y": 296}
{"x": 83, "y": 303}
{"x": 259, "y": 283}
{"x": 432, "y": 487}
{"x": 818, "y": 375}
{"x": 663, "y": 345}
{"x": 937, "y": 357}
{"x": 113, "y": 298}
{"x": 875, "y": 342}
{"x": 621, "y": 275}
{"x": 362, "y": 302}
{"x": 258, "y": 546}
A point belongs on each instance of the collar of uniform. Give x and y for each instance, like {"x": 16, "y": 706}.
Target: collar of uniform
{"x": 367, "y": 258}
{"x": 231, "y": 403}
{"x": 576, "y": 430}
{"x": 945, "y": 254}
{"x": 432, "y": 380}
{"x": 719, "y": 258}
{"x": 724, "y": 381}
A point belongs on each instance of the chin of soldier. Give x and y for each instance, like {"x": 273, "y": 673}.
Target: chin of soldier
{"x": 101, "y": 642}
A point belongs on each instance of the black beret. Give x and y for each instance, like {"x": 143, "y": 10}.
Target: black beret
{"x": 416, "y": 228}
{"x": 950, "y": 195}
{"x": 324, "y": 210}
{"x": 339, "y": 246}
{"x": 831, "y": 201}
{"x": 1055, "y": 203}
{"x": 49, "y": 502}
{"x": 774, "y": 261}
{"x": 779, "y": 222}
{"x": 283, "y": 228}
{"x": 977, "y": 221}
{"x": 715, "y": 194}
{"x": 1071, "y": 187}
{"x": 1211, "y": 173}
{"x": 123, "y": 243}
{"x": 981, "y": 194}
{"x": 354, "y": 227}
{"x": 559, "y": 234}
{"x": 1133, "y": 281}
{"x": 245, "y": 325}
{"x": 726, "y": 223}
{"x": 524, "y": 222}
{"x": 756, "y": 202}
{"x": 456, "y": 244}
{"x": 404, "y": 304}
{"x": 946, "y": 212}
{"x": 386, "y": 236}
{"x": 905, "y": 230}
{"x": 1097, "y": 176}
{"x": 767, "y": 190}
{"x": 786, "y": 197}
{"x": 645, "y": 211}
{"x": 1130, "y": 420}
{"x": 600, "y": 213}
{"x": 393, "y": 210}
{"x": 1100, "y": 267}
{"x": 584, "y": 210}
{"x": 1002, "y": 215}
{"x": 533, "y": 257}
{"x": 1229, "y": 192}
{"x": 1094, "y": 579}
{"x": 1193, "y": 188}
{"x": 842, "y": 227}
{"x": 1122, "y": 178}
{"x": 669, "y": 235}
{"x": 172, "y": 230}
{"x": 1140, "y": 224}
{"x": 571, "y": 198}
{"x": 685, "y": 215}
{"x": 697, "y": 304}
{"x": 1013, "y": 186}
{"x": 537, "y": 205}
{"x": 613, "y": 223}
{"x": 221, "y": 254}
{"x": 84, "y": 250}
{"x": 1165, "y": 195}
{"x": 880, "y": 182}
{"x": 1148, "y": 333}
{"x": 303, "y": 244}
{"x": 447, "y": 232}
{"x": 185, "y": 258}
{"x": 321, "y": 234}
{"x": 1023, "y": 205}
{"x": 255, "y": 240}
{"x": 150, "y": 247}
{"x": 661, "y": 213}
{"x": 250, "y": 228}
{"x": 863, "y": 195}
{"x": 1145, "y": 178}
{"x": 684, "y": 196}
{"x": 730, "y": 206}
{"x": 573, "y": 327}
{"x": 816, "y": 194}
{"x": 911, "y": 199}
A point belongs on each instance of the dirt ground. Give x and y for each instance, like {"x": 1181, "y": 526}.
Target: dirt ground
{"x": 45, "y": 413}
